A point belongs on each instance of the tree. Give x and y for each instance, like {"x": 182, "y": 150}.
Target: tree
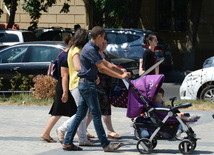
{"x": 12, "y": 5}
{"x": 33, "y": 7}
{"x": 131, "y": 18}
{"x": 116, "y": 13}
{"x": 195, "y": 13}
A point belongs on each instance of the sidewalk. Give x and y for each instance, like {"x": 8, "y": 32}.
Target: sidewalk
{"x": 21, "y": 127}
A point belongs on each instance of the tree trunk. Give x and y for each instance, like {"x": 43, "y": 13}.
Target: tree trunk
{"x": 89, "y": 5}
{"x": 12, "y": 13}
{"x": 189, "y": 55}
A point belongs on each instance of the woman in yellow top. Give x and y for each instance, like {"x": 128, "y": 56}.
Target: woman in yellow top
{"x": 79, "y": 40}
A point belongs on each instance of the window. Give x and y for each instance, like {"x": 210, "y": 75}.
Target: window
{"x": 50, "y": 36}
{"x": 28, "y": 36}
{"x": 43, "y": 53}
{"x": 6, "y": 37}
{"x": 120, "y": 38}
{"x": 132, "y": 38}
{"x": 13, "y": 55}
{"x": 64, "y": 34}
{"x": 172, "y": 15}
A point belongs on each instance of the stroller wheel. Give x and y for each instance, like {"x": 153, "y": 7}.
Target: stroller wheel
{"x": 194, "y": 144}
{"x": 144, "y": 146}
{"x": 154, "y": 143}
{"x": 136, "y": 134}
{"x": 186, "y": 147}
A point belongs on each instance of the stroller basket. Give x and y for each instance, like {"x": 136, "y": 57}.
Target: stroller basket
{"x": 145, "y": 128}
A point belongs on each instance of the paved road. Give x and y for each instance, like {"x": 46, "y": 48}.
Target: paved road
{"x": 21, "y": 127}
{"x": 171, "y": 90}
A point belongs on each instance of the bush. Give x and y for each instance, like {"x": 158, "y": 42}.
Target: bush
{"x": 44, "y": 87}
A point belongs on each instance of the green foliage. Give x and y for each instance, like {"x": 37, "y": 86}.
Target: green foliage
{"x": 14, "y": 81}
{"x": 65, "y": 8}
{"x": 3, "y": 98}
{"x": 25, "y": 82}
{"x": 35, "y": 7}
{"x": 1, "y": 12}
{"x": 1, "y": 85}
{"x": 113, "y": 10}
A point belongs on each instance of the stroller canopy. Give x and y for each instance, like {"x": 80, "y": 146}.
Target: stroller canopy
{"x": 147, "y": 86}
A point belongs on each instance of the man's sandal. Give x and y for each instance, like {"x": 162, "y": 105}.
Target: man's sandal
{"x": 72, "y": 148}
{"x": 112, "y": 147}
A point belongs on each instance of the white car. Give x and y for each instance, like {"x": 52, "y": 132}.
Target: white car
{"x": 12, "y": 37}
{"x": 198, "y": 85}
{"x": 209, "y": 62}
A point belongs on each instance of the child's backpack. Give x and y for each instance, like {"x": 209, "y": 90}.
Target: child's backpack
{"x": 53, "y": 70}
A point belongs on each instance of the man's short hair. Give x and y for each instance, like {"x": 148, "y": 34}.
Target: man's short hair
{"x": 97, "y": 30}
{"x": 76, "y": 27}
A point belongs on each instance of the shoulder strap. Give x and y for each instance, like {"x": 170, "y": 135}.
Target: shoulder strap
{"x": 60, "y": 54}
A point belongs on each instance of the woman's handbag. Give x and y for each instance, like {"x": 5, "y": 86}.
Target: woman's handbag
{"x": 53, "y": 68}
{"x": 119, "y": 96}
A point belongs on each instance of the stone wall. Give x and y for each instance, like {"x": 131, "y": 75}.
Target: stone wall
{"x": 76, "y": 15}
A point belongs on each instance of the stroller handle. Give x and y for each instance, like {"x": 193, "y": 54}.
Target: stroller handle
{"x": 172, "y": 100}
{"x": 182, "y": 105}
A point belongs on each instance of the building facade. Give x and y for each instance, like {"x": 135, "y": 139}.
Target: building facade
{"x": 53, "y": 18}
{"x": 167, "y": 17}
{"x": 170, "y": 19}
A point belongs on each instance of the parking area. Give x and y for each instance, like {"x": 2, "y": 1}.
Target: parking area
{"x": 21, "y": 127}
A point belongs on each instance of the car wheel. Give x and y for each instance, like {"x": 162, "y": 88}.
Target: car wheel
{"x": 207, "y": 93}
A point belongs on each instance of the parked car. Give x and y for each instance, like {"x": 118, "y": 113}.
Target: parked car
{"x": 198, "y": 85}
{"x": 208, "y": 62}
{"x": 128, "y": 44}
{"x": 52, "y": 34}
{"x": 31, "y": 58}
{"x": 11, "y": 37}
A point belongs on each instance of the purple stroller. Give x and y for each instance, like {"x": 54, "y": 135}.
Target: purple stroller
{"x": 161, "y": 123}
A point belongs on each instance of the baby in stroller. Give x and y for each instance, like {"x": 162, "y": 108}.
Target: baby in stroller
{"x": 159, "y": 100}
{"x": 159, "y": 122}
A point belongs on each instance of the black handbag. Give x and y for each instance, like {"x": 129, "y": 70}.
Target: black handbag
{"x": 53, "y": 70}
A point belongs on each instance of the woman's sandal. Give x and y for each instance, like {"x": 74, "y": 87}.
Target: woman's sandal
{"x": 112, "y": 147}
{"x": 90, "y": 136}
{"x": 115, "y": 136}
{"x": 51, "y": 140}
{"x": 60, "y": 135}
{"x": 72, "y": 148}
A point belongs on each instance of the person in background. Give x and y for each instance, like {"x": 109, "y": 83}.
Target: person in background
{"x": 76, "y": 27}
{"x": 91, "y": 63}
{"x": 64, "y": 104}
{"x": 149, "y": 57}
{"x": 104, "y": 92}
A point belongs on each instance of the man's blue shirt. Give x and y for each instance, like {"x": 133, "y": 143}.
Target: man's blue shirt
{"x": 89, "y": 57}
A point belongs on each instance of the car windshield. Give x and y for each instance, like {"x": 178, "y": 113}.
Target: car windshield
{"x": 207, "y": 63}
{"x": 6, "y": 37}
